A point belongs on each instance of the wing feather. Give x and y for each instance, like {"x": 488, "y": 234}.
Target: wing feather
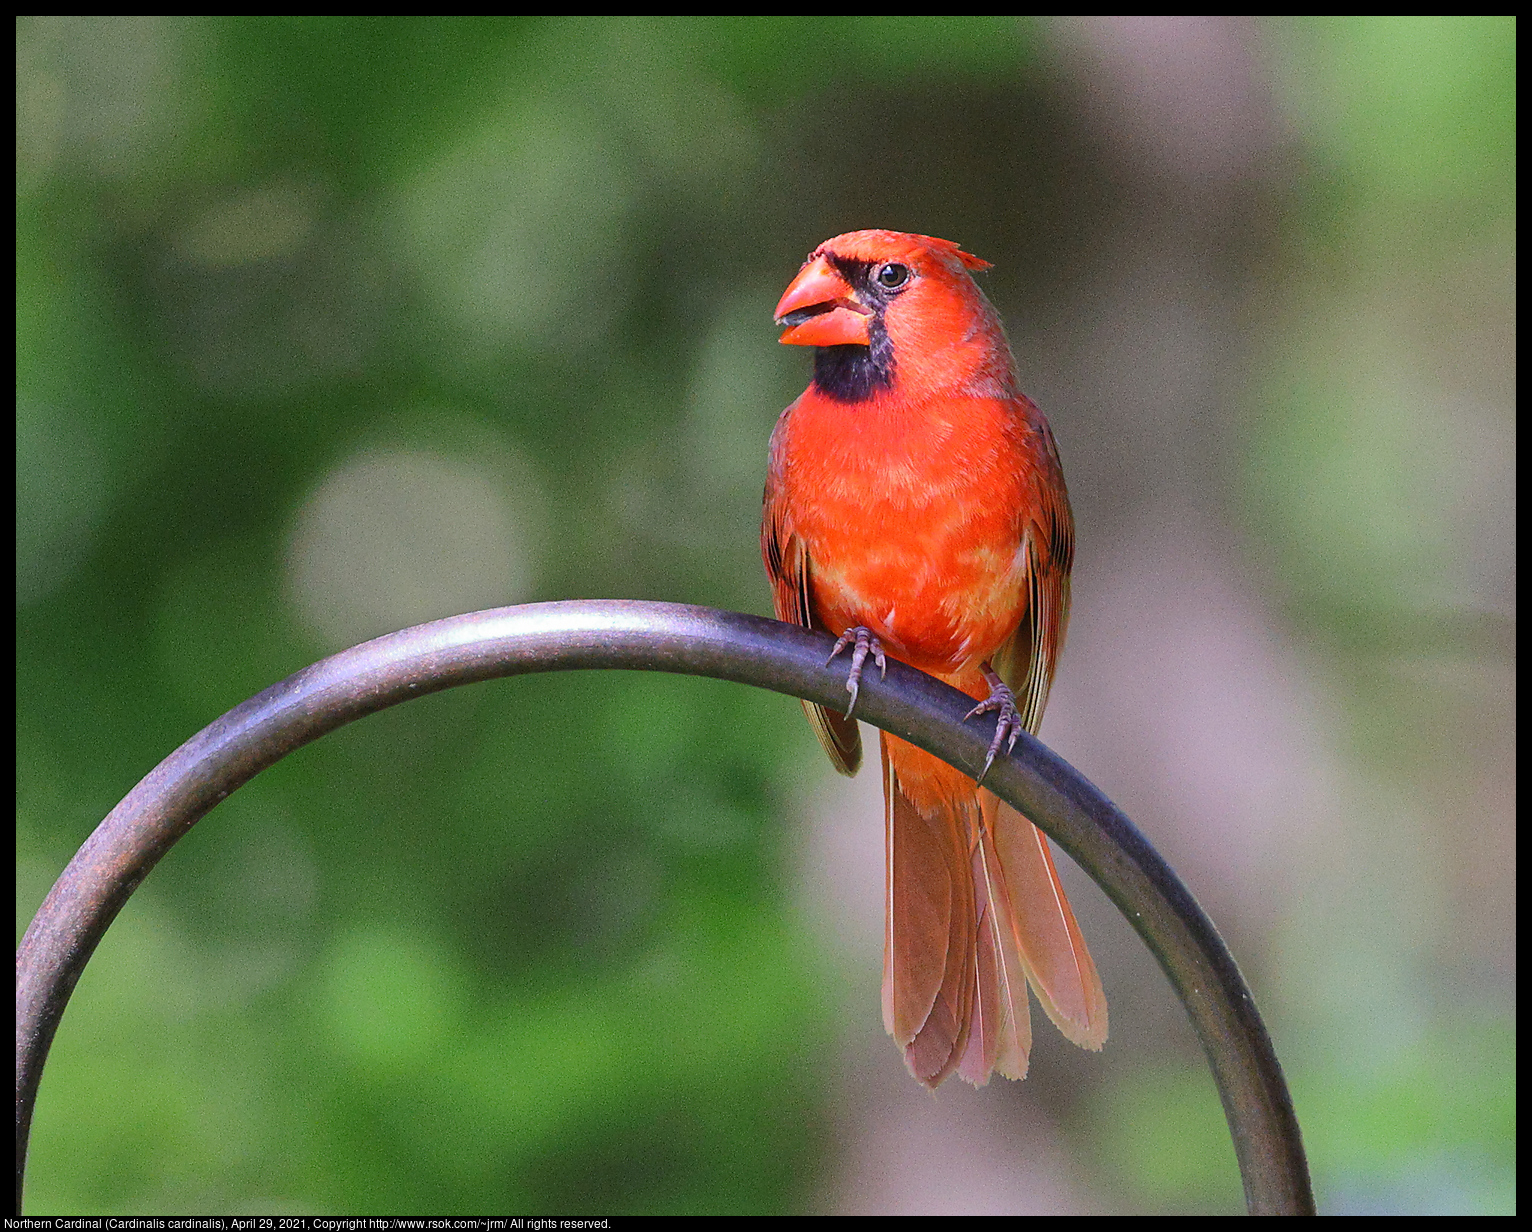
{"x": 790, "y": 571}
{"x": 1040, "y": 929}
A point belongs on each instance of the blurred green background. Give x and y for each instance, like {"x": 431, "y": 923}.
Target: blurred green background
{"x": 327, "y": 326}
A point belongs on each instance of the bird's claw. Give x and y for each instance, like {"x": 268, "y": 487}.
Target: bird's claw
{"x": 866, "y": 643}
{"x": 1007, "y": 724}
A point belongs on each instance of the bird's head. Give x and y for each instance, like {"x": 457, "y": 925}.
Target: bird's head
{"x": 887, "y": 306}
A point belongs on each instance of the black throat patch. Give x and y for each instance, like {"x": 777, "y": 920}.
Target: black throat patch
{"x": 856, "y": 373}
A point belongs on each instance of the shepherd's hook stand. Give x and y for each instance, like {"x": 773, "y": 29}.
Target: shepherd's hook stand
{"x": 696, "y": 641}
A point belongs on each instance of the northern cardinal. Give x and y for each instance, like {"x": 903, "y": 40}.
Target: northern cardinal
{"x": 915, "y": 507}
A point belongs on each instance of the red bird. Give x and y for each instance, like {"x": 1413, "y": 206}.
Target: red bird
{"x": 915, "y": 505}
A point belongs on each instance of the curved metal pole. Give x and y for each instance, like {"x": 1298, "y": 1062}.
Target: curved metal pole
{"x": 695, "y": 641}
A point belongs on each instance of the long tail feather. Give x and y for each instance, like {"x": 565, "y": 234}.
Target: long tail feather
{"x": 1047, "y": 938}
{"x": 1002, "y": 1034}
{"x": 975, "y": 915}
{"x": 929, "y": 956}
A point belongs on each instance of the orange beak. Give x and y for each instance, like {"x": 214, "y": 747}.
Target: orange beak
{"x": 819, "y": 309}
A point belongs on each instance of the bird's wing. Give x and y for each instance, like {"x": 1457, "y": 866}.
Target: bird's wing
{"x": 1019, "y": 868}
{"x": 790, "y": 570}
{"x": 1027, "y": 660}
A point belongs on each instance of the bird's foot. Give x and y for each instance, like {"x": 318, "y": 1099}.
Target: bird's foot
{"x": 865, "y": 643}
{"x": 1007, "y": 725}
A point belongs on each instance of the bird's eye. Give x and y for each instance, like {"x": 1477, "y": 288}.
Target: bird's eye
{"x": 893, "y": 275}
